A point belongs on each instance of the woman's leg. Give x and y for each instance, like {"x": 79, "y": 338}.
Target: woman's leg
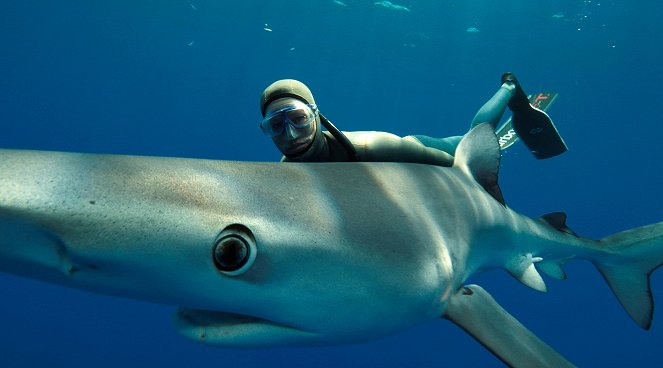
{"x": 447, "y": 144}
{"x": 492, "y": 111}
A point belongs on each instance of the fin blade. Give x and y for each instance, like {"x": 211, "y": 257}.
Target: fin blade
{"x": 537, "y": 131}
{"x": 478, "y": 153}
{"x": 476, "y": 312}
{"x": 506, "y": 135}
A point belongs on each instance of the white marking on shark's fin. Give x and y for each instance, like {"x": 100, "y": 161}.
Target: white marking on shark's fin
{"x": 524, "y": 271}
{"x": 476, "y": 312}
{"x": 478, "y": 153}
{"x": 635, "y": 254}
{"x": 552, "y": 269}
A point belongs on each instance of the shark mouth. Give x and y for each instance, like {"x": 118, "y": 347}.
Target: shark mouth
{"x": 237, "y": 330}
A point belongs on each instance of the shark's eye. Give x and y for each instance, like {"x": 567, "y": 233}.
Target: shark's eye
{"x": 234, "y": 250}
{"x": 231, "y": 253}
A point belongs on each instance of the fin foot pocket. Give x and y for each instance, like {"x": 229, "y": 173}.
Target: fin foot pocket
{"x": 519, "y": 101}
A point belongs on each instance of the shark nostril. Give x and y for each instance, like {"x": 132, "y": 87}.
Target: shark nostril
{"x": 234, "y": 250}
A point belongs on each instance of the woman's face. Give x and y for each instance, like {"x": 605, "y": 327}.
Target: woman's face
{"x": 292, "y": 141}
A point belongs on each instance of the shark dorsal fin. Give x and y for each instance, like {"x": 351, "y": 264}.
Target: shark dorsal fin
{"x": 478, "y": 153}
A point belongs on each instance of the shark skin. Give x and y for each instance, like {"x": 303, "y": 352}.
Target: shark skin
{"x": 337, "y": 252}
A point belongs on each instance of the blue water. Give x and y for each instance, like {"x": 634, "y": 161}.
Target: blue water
{"x": 182, "y": 78}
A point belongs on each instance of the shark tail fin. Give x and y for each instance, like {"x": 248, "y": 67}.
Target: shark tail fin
{"x": 632, "y": 256}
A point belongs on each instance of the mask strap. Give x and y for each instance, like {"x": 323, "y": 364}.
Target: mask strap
{"x": 345, "y": 142}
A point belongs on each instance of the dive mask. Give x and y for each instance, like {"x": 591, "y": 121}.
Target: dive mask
{"x": 298, "y": 117}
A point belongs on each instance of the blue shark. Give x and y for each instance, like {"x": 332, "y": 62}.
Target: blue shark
{"x": 270, "y": 254}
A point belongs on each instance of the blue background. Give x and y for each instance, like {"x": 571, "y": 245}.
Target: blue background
{"x": 182, "y": 78}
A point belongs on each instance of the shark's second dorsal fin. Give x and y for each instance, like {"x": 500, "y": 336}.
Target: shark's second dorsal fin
{"x": 478, "y": 153}
{"x": 558, "y": 221}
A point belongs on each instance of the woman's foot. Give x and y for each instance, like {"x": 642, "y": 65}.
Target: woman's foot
{"x": 519, "y": 100}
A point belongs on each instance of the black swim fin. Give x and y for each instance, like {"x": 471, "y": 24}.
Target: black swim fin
{"x": 532, "y": 125}
{"x": 507, "y": 135}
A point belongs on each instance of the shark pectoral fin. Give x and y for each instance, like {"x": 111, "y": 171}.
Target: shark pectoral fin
{"x": 478, "y": 153}
{"x": 476, "y": 312}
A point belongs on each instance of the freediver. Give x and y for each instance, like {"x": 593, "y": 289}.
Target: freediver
{"x": 293, "y": 121}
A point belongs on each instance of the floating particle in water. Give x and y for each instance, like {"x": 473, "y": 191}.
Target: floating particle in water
{"x": 266, "y": 28}
{"x": 292, "y": 49}
{"x": 193, "y": 6}
{"x": 190, "y": 43}
{"x": 558, "y": 15}
{"x": 416, "y": 38}
{"x": 472, "y": 30}
{"x": 390, "y": 5}
{"x": 340, "y": 3}
{"x": 584, "y": 11}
